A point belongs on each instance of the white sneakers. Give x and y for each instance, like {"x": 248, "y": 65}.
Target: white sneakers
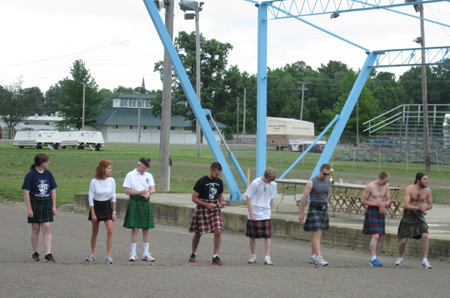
{"x": 133, "y": 257}
{"x": 252, "y": 259}
{"x": 399, "y": 262}
{"x": 147, "y": 257}
{"x": 267, "y": 261}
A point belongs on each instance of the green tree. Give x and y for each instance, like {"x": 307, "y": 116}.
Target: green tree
{"x": 50, "y": 105}
{"x": 16, "y": 103}
{"x": 213, "y": 62}
{"x": 71, "y": 104}
{"x": 368, "y": 105}
{"x": 387, "y": 90}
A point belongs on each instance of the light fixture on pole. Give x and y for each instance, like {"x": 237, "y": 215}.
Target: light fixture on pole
{"x": 334, "y": 15}
{"x": 197, "y": 7}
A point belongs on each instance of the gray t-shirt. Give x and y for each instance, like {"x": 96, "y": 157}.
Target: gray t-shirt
{"x": 319, "y": 192}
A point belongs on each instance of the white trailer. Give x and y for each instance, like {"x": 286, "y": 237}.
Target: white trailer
{"x": 282, "y": 131}
{"x": 37, "y": 139}
{"x": 81, "y": 139}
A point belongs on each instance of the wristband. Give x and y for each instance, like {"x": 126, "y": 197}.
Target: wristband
{"x": 114, "y": 212}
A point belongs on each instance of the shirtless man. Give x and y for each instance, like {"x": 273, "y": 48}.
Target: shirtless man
{"x": 413, "y": 224}
{"x": 376, "y": 196}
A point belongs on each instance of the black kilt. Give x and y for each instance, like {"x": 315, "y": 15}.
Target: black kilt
{"x": 103, "y": 210}
{"x": 42, "y": 210}
{"x": 257, "y": 229}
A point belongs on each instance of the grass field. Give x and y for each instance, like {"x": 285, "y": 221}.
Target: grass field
{"x": 73, "y": 169}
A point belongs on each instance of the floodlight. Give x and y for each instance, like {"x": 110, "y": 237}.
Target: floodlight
{"x": 334, "y": 15}
{"x": 159, "y": 4}
{"x": 189, "y": 16}
{"x": 187, "y": 5}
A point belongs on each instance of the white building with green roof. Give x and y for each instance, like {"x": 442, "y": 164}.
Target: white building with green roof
{"x": 120, "y": 123}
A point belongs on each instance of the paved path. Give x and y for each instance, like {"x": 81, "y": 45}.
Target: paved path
{"x": 348, "y": 274}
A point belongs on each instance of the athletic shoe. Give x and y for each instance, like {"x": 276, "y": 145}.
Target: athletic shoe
{"x": 399, "y": 262}
{"x": 49, "y": 258}
{"x": 216, "y": 261}
{"x": 109, "y": 260}
{"x": 267, "y": 261}
{"x": 133, "y": 257}
{"x": 192, "y": 257}
{"x": 426, "y": 265}
{"x": 147, "y": 257}
{"x": 312, "y": 260}
{"x": 320, "y": 261}
{"x": 252, "y": 259}
{"x": 90, "y": 258}
{"x": 375, "y": 263}
{"x": 35, "y": 256}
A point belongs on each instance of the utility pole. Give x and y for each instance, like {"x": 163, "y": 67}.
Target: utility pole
{"x": 243, "y": 124}
{"x": 424, "y": 96}
{"x": 197, "y": 76}
{"x": 166, "y": 107}
{"x": 84, "y": 100}
{"x": 357, "y": 125}
{"x": 139, "y": 119}
{"x": 303, "y": 96}
{"x": 237, "y": 124}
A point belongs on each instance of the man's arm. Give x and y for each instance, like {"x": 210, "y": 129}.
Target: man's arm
{"x": 249, "y": 207}
{"x": 197, "y": 201}
{"x": 306, "y": 193}
{"x": 387, "y": 195}
{"x": 429, "y": 201}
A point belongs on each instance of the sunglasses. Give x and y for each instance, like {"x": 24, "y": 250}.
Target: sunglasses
{"x": 325, "y": 174}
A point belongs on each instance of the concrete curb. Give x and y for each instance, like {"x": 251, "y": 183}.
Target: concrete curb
{"x": 169, "y": 214}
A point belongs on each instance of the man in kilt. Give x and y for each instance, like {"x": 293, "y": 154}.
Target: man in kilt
{"x": 207, "y": 216}
{"x": 413, "y": 223}
{"x": 139, "y": 185}
{"x": 39, "y": 192}
{"x": 317, "y": 219}
{"x": 260, "y": 195}
{"x": 376, "y": 197}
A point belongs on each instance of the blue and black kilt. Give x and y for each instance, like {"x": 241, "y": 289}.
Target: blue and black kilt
{"x": 257, "y": 229}
{"x": 103, "y": 210}
{"x": 42, "y": 210}
{"x": 317, "y": 219}
{"x": 374, "y": 221}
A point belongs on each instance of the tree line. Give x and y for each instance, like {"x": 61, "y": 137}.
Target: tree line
{"x": 325, "y": 91}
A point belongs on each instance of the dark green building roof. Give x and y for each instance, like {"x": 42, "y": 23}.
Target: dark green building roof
{"x": 129, "y": 117}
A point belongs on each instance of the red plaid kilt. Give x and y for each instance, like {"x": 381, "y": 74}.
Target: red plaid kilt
{"x": 205, "y": 220}
{"x": 374, "y": 221}
{"x": 257, "y": 229}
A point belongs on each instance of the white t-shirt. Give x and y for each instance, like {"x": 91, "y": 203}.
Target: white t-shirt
{"x": 136, "y": 181}
{"x": 102, "y": 190}
{"x": 260, "y": 194}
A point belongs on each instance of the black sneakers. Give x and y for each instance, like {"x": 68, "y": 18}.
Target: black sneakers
{"x": 192, "y": 257}
{"x": 49, "y": 258}
{"x": 216, "y": 261}
{"x": 35, "y": 256}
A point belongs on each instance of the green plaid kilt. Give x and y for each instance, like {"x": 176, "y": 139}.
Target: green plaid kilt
{"x": 139, "y": 214}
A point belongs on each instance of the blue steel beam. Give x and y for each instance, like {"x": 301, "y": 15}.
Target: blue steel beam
{"x": 346, "y": 112}
{"x": 318, "y": 7}
{"x": 199, "y": 113}
{"x": 261, "y": 91}
{"x": 413, "y": 57}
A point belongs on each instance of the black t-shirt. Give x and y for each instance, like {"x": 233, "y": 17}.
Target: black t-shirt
{"x": 208, "y": 189}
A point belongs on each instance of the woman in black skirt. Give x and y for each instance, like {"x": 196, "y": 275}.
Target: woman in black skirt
{"x": 40, "y": 197}
{"x": 102, "y": 202}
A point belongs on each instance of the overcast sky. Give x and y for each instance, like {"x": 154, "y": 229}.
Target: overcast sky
{"x": 40, "y": 40}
